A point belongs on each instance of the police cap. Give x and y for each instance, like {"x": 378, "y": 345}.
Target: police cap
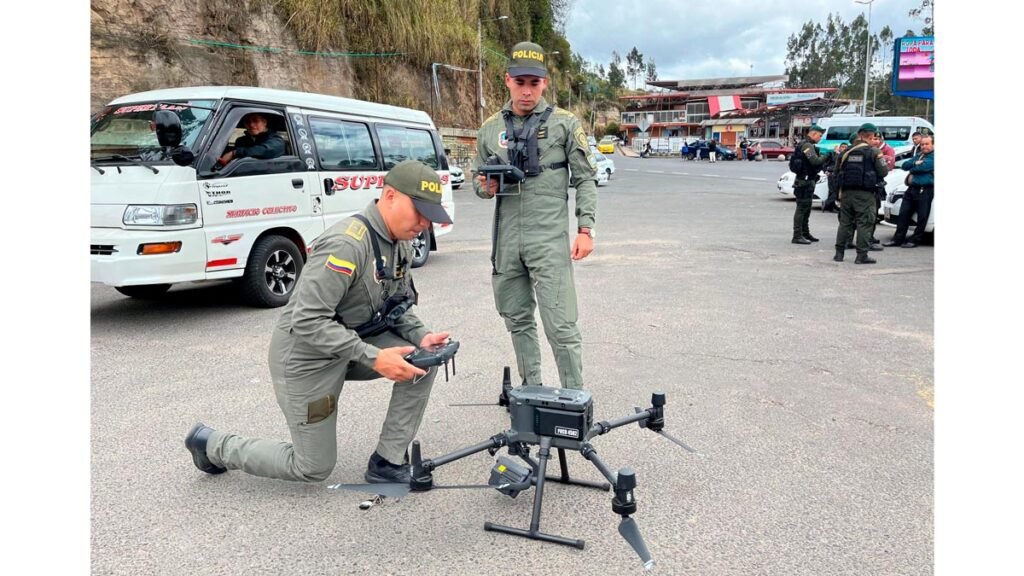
{"x": 528, "y": 59}
{"x": 419, "y": 182}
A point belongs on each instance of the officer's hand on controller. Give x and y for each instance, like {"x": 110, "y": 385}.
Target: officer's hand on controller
{"x": 434, "y": 339}
{"x": 391, "y": 364}
{"x": 488, "y": 185}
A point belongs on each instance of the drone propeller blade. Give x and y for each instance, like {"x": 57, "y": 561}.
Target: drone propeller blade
{"x": 390, "y": 489}
{"x": 677, "y": 441}
{"x": 631, "y": 532}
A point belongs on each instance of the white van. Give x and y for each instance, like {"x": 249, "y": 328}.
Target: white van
{"x": 896, "y": 130}
{"x": 165, "y": 210}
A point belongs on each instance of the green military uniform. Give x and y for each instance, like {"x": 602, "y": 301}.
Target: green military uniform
{"x": 315, "y": 349}
{"x": 531, "y": 242}
{"x": 803, "y": 188}
{"x": 857, "y": 202}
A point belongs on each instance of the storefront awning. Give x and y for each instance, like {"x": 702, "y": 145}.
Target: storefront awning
{"x": 729, "y": 122}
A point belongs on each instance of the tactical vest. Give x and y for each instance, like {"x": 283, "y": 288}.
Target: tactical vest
{"x": 523, "y": 149}
{"x": 857, "y": 169}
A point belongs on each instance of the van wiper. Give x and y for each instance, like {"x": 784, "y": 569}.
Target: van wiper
{"x": 97, "y": 168}
{"x": 126, "y": 159}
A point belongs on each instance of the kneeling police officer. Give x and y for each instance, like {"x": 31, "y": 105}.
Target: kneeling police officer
{"x": 349, "y": 319}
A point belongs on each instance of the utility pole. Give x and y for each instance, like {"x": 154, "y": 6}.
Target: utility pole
{"x": 867, "y": 58}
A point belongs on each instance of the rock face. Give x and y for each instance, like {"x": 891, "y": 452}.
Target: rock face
{"x": 142, "y": 45}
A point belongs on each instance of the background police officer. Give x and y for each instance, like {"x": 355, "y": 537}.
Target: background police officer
{"x": 810, "y": 163}
{"x": 355, "y": 267}
{"x": 860, "y": 169}
{"x": 530, "y": 251}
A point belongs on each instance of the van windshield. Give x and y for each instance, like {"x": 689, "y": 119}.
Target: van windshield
{"x": 848, "y": 133}
{"x": 128, "y": 129}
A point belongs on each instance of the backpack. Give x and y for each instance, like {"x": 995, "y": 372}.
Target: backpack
{"x": 798, "y": 162}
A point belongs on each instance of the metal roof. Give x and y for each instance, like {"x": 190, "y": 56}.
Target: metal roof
{"x": 713, "y": 83}
{"x": 282, "y": 97}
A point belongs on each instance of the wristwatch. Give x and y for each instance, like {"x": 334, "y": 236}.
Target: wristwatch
{"x": 588, "y": 231}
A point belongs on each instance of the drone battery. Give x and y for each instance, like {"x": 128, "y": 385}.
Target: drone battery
{"x": 509, "y": 474}
{"x": 564, "y": 415}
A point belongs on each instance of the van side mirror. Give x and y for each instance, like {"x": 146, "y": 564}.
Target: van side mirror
{"x": 168, "y": 128}
{"x": 182, "y": 156}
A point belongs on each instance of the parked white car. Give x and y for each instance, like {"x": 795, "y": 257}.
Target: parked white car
{"x": 891, "y": 210}
{"x": 605, "y": 164}
{"x": 458, "y": 177}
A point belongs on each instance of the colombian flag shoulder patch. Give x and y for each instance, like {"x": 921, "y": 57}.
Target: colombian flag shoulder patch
{"x": 341, "y": 266}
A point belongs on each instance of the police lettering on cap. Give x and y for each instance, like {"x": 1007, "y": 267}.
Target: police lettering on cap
{"x": 528, "y": 59}
{"x": 422, "y": 184}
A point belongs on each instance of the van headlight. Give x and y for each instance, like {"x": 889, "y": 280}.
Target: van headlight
{"x": 174, "y": 215}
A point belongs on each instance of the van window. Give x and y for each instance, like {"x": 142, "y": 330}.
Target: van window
{"x": 398, "y": 143}
{"x": 342, "y": 145}
{"x": 901, "y": 133}
{"x": 846, "y": 133}
{"x": 842, "y": 133}
{"x": 127, "y": 129}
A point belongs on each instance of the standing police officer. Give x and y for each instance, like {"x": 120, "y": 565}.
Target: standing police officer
{"x": 530, "y": 254}
{"x": 348, "y": 319}
{"x": 860, "y": 170}
{"x": 808, "y": 163}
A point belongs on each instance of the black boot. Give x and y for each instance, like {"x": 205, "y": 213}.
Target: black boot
{"x": 196, "y": 441}
{"x": 839, "y": 255}
{"x": 801, "y": 240}
{"x": 380, "y": 471}
{"x": 863, "y": 258}
{"x": 811, "y": 238}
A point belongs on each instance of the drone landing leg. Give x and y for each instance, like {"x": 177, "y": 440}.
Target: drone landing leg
{"x": 564, "y": 478}
{"x": 534, "y": 532}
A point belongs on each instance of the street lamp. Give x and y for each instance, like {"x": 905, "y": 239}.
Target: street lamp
{"x": 867, "y": 59}
{"x": 480, "y": 61}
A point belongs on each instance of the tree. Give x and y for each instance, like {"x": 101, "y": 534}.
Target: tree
{"x": 925, "y": 12}
{"x": 616, "y": 77}
{"x": 634, "y": 64}
{"x": 652, "y": 72}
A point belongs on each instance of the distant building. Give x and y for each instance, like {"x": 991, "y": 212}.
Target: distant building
{"x": 727, "y": 109}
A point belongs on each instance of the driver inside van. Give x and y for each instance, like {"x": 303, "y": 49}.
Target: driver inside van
{"x": 257, "y": 142}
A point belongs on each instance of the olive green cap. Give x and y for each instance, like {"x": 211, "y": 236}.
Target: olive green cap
{"x": 528, "y": 59}
{"x": 419, "y": 182}
{"x": 867, "y": 127}
{"x": 816, "y": 128}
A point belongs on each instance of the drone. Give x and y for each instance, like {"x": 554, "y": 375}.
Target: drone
{"x": 551, "y": 418}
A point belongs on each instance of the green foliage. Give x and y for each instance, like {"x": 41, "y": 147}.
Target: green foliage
{"x": 612, "y": 128}
{"x": 831, "y": 54}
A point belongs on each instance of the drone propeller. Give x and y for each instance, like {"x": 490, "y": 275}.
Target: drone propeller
{"x": 400, "y": 490}
{"x": 631, "y": 532}
{"x": 624, "y": 504}
{"x": 655, "y": 425}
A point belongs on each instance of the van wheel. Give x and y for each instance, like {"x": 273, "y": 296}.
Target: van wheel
{"x": 144, "y": 291}
{"x": 271, "y": 272}
{"x": 421, "y": 249}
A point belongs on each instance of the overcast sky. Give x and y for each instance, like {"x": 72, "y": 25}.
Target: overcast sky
{"x": 692, "y": 39}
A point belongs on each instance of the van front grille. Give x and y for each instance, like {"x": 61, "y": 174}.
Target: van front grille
{"x": 101, "y": 249}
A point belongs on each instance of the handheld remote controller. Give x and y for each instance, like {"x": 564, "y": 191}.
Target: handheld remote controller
{"x": 427, "y": 358}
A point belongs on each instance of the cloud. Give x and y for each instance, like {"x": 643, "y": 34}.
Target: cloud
{"x": 691, "y": 39}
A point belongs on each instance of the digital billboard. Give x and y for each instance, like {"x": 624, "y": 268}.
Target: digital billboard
{"x": 914, "y": 67}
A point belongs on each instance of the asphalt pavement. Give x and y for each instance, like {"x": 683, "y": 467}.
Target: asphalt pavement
{"x": 805, "y": 385}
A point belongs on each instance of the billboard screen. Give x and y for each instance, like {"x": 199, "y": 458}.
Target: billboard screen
{"x": 914, "y": 67}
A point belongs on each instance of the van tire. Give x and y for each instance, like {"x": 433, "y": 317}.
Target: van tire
{"x": 421, "y": 248}
{"x": 271, "y": 272}
{"x": 143, "y": 291}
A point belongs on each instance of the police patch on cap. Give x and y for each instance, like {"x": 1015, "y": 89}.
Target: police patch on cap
{"x": 419, "y": 182}
{"x": 528, "y": 59}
